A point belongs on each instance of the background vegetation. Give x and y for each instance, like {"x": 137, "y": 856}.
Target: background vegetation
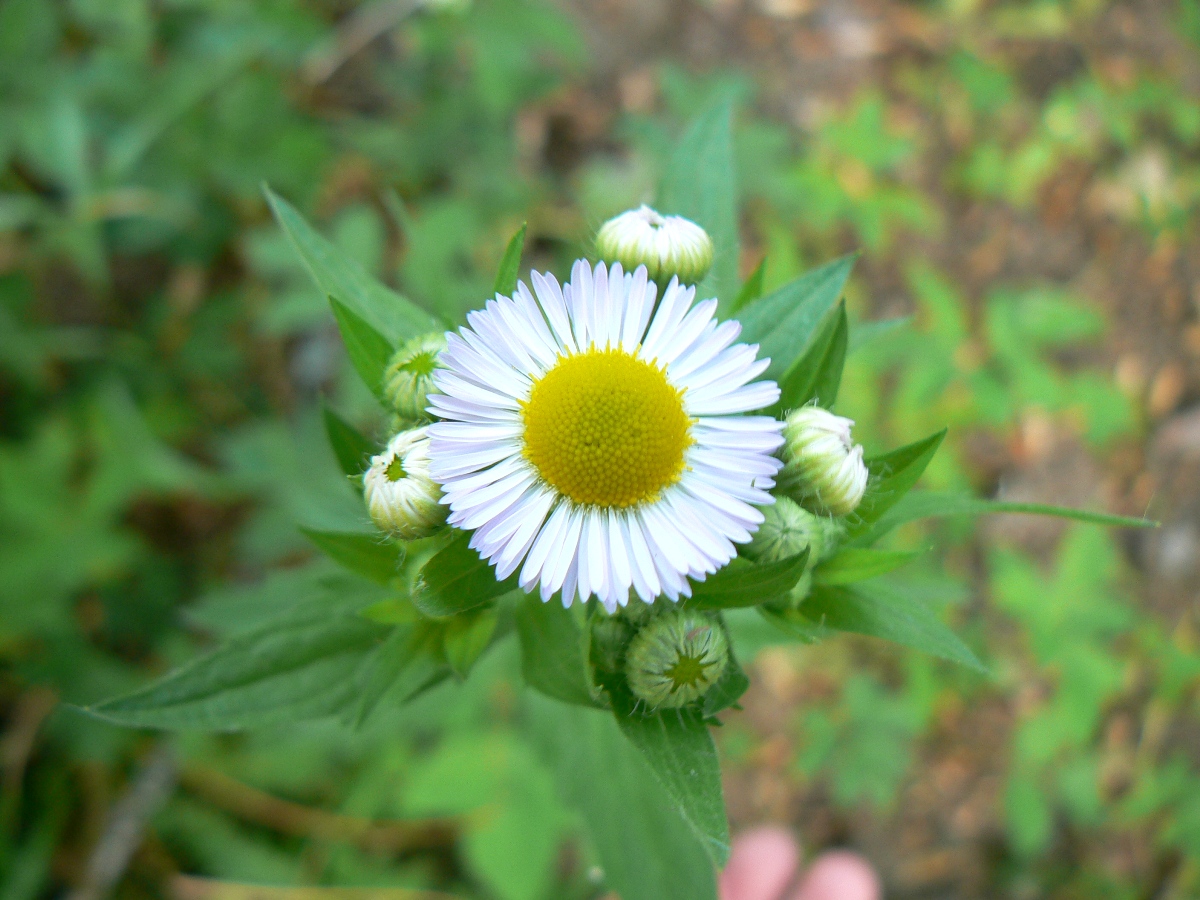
{"x": 1024, "y": 181}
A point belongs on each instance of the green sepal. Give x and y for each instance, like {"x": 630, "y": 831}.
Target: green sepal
{"x": 369, "y": 351}
{"x": 743, "y": 583}
{"x": 553, "y": 656}
{"x": 352, "y": 450}
{"x": 752, "y": 287}
{"x": 892, "y": 475}
{"x": 336, "y": 275}
{"x": 818, "y": 373}
{"x": 783, "y": 321}
{"x": 457, "y": 579}
{"x": 510, "y": 264}
{"x": 368, "y": 553}
{"x": 852, "y": 564}
{"x": 881, "y": 611}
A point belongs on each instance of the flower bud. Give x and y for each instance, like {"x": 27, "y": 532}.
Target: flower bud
{"x": 666, "y": 245}
{"x": 401, "y": 497}
{"x": 408, "y": 379}
{"x": 676, "y": 658}
{"x": 822, "y": 468}
{"x": 787, "y": 529}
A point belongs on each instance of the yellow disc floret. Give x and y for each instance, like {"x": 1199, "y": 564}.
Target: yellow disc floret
{"x": 606, "y": 428}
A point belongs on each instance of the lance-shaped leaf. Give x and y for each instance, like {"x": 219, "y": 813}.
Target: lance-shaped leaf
{"x": 751, "y": 289}
{"x": 336, "y": 275}
{"x": 818, "y": 373}
{"x": 510, "y": 265}
{"x": 646, "y": 850}
{"x": 743, "y": 583}
{"x": 368, "y": 553}
{"x": 456, "y": 579}
{"x": 858, "y": 564}
{"x": 892, "y": 476}
{"x": 879, "y": 610}
{"x": 552, "y": 652}
{"x": 782, "y": 322}
{"x": 353, "y": 451}
{"x": 407, "y": 662}
{"x": 683, "y": 757}
{"x": 369, "y": 351}
{"x": 701, "y": 185}
{"x": 728, "y": 689}
{"x": 287, "y": 671}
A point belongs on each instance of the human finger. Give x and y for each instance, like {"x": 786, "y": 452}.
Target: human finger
{"x": 839, "y": 875}
{"x": 761, "y": 866}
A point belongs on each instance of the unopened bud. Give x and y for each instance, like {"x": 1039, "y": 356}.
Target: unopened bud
{"x": 787, "y": 529}
{"x": 408, "y": 379}
{"x": 666, "y": 245}
{"x": 676, "y": 658}
{"x": 822, "y": 468}
{"x": 401, "y": 497}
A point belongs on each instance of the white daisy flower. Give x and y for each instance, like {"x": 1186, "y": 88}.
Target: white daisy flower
{"x": 597, "y": 444}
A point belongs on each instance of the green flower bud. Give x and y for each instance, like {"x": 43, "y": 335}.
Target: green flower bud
{"x": 401, "y": 497}
{"x": 408, "y": 379}
{"x": 676, "y": 658}
{"x": 822, "y": 468}
{"x": 787, "y": 529}
{"x": 666, "y": 245}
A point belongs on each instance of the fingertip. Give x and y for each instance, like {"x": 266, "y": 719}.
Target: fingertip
{"x": 839, "y": 875}
{"x": 763, "y": 862}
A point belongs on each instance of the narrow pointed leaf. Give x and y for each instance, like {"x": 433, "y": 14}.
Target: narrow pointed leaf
{"x": 510, "y": 265}
{"x": 782, "y": 322}
{"x": 743, "y": 583}
{"x": 406, "y": 662}
{"x": 752, "y": 288}
{"x": 368, "y": 553}
{"x": 353, "y": 451}
{"x": 858, "y": 564}
{"x": 818, "y": 373}
{"x": 552, "y": 652}
{"x": 369, "y": 351}
{"x": 701, "y": 185}
{"x": 336, "y": 275}
{"x": 681, "y": 753}
{"x": 284, "y": 672}
{"x": 457, "y": 579}
{"x": 874, "y": 610}
{"x": 892, "y": 476}
{"x": 728, "y": 689}
{"x": 646, "y": 850}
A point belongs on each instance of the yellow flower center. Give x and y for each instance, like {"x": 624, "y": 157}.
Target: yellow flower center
{"x": 606, "y": 428}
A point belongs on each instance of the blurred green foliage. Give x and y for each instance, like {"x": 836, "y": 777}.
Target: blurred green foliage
{"x": 163, "y": 357}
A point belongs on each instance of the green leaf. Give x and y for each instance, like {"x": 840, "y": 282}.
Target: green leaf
{"x": 457, "y": 579}
{"x": 818, "y": 373}
{"x": 645, "y": 848}
{"x": 369, "y": 351}
{"x": 751, "y": 289}
{"x": 388, "y": 313}
{"x": 934, "y": 504}
{"x": 743, "y": 583}
{"x": 510, "y": 265}
{"x": 552, "y": 651}
{"x": 407, "y": 662}
{"x": 782, "y": 322}
{"x": 683, "y": 757}
{"x": 892, "y": 476}
{"x": 729, "y": 689}
{"x": 877, "y": 611}
{"x": 287, "y": 671}
{"x": 858, "y": 564}
{"x": 466, "y": 637}
{"x": 700, "y": 185}
{"x": 353, "y": 451}
{"x": 368, "y": 553}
